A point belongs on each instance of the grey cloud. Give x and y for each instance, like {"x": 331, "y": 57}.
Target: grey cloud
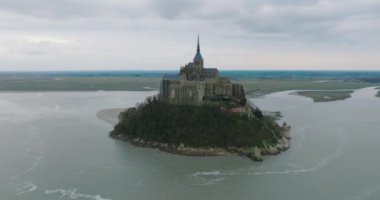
{"x": 243, "y": 23}
{"x": 66, "y": 9}
{"x": 34, "y": 46}
{"x": 316, "y": 21}
{"x": 172, "y": 9}
{"x": 297, "y": 18}
{"x": 49, "y": 9}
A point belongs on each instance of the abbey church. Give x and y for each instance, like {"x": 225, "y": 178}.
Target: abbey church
{"x": 196, "y": 84}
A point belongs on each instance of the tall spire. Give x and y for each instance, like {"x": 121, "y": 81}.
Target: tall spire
{"x": 198, "y": 47}
{"x": 198, "y": 60}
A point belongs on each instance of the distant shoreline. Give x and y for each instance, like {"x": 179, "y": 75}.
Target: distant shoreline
{"x": 253, "y": 87}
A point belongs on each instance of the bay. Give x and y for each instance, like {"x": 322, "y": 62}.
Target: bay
{"x": 54, "y": 146}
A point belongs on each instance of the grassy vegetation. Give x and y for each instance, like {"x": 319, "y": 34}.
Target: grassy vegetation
{"x": 267, "y": 86}
{"x": 326, "y": 96}
{"x": 261, "y": 86}
{"x": 196, "y": 126}
{"x": 79, "y": 84}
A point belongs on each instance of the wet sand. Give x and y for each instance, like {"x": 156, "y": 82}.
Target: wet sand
{"x": 110, "y": 115}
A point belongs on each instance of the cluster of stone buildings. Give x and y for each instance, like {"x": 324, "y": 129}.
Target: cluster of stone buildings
{"x": 195, "y": 85}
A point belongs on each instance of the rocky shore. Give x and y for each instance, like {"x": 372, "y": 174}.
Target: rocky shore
{"x": 253, "y": 153}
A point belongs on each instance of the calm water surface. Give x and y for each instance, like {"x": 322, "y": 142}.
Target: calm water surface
{"x": 52, "y": 146}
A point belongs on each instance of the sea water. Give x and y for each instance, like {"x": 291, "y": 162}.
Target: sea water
{"x": 53, "y": 146}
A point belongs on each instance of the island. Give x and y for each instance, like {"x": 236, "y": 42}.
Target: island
{"x": 200, "y": 113}
{"x": 326, "y": 95}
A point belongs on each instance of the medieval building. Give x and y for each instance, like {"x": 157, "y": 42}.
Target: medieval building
{"x": 195, "y": 84}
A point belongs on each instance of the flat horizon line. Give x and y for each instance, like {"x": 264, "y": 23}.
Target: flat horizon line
{"x": 166, "y": 70}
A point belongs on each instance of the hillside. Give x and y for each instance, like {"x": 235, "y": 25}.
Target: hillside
{"x": 158, "y": 124}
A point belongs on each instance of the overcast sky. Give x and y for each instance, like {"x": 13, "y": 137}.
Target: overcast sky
{"x": 161, "y": 34}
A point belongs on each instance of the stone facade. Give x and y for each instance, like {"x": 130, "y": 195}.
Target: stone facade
{"x": 195, "y": 84}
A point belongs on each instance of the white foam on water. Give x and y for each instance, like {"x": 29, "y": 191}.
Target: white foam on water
{"x": 293, "y": 168}
{"x": 212, "y": 173}
{"x": 322, "y": 81}
{"x": 213, "y": 181}
{"x": 34, "y": 166}
{"x": 206, "y": 175}
{"x": 323, "y": 162}
{"x": 300, "y": 169}
{"x": 27, "y": 186}
{"x": 206, "y": 181}
{"x": 27, "y": 153}
{"x": 72, "y": 194}
{"x": 207, "y": 178}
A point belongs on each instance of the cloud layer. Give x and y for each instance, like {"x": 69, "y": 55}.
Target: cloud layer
{"x": 152, "y": 34}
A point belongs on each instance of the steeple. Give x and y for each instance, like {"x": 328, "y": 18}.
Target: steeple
{"x": 198, "y": 60}
{"x": 198, "y": 47}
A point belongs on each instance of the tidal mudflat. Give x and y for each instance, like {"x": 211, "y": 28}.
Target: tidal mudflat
{"x": 326, "y": 95}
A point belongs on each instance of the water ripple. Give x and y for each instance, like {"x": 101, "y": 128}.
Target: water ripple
{"x": 72, "y": 194}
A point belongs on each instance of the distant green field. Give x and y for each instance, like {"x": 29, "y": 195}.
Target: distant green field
{"x": 267, "y": 86}
{"x": 79, "y": 84}
{"x": 256, "y": 87}
{"x": 326, "y": 96}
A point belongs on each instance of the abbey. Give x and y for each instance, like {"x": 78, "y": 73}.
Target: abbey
{"x": 195, "y": 85}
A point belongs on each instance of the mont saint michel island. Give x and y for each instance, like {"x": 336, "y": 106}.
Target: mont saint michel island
{"x": 125, "y": 100}
{"x": 200, "y": 113}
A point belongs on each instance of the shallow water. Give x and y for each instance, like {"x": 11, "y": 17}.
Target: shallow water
{"x": 53, "y": 146}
